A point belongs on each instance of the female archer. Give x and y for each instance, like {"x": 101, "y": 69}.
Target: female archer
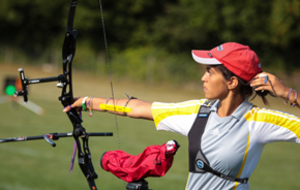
{"x": 226, "y": 132}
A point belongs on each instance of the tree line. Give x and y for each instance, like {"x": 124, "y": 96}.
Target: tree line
{"x": 154, "y": 35}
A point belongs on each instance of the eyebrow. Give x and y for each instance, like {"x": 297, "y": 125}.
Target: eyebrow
{"x": 208, "y": 67}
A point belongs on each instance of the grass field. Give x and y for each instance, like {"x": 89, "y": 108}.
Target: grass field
{"x": 35, "y": 165}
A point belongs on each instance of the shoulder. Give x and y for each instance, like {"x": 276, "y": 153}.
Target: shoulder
{"x": 190, "y": 106}
{"x": 277, "y": 117}
{"x": 270, "y": 125}
{"x": 161, "y": 111}
{"x": 176, "y": 117}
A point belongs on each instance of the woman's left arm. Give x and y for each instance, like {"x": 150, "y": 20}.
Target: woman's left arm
{"x": 267, "y": 81}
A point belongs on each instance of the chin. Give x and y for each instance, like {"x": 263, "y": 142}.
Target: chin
{"x": 210, "y": 97}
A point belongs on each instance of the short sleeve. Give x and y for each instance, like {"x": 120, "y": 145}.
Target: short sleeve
{"x": 176, "y": 117}
{"x": 271, "y": 126}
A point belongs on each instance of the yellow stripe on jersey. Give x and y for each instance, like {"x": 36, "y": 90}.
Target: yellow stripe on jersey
{"x": 187, "y": 181}
{"x": 281, "y": 119}
{"x": 161, "y": 111}
{"x": 244, "y": 161}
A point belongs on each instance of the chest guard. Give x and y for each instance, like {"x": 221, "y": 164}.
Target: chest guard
{"x": 198, "y": 163}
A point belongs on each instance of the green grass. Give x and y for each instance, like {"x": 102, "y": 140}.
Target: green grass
{"x": 35, "y": 165}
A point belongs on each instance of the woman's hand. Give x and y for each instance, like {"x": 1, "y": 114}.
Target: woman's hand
{"x": 267, "y": 81}
{"x": 77, "y": 104}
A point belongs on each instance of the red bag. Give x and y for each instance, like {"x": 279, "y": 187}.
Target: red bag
{"x": 155, "y": 160}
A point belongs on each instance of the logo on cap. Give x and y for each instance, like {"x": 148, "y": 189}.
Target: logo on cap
{"x": 259, "y": 65}
{"x": 220, "y": 48}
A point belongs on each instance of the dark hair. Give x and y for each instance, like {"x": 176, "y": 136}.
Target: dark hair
{"x": 245, "y": 89}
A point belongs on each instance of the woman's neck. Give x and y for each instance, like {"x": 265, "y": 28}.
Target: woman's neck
{"x": 228, "y": 105}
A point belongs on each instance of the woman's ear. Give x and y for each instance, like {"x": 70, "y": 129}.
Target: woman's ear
{"x": 232, "y": 83}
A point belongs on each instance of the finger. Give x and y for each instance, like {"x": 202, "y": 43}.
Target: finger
{"x": 261, "y": 88}
{"x": 259, "y": 82}
{"x": 67, "y": 108}
{"x": 264, "y": 77}
{"x": 259, "y": 75}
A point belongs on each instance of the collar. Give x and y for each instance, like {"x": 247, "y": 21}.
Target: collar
{"x": 238, "y": 112}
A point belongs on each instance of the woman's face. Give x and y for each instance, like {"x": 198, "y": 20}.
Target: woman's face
{"x": 214, "y": 84}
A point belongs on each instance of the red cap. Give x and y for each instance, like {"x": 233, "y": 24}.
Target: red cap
{"x": 237, "y": 58}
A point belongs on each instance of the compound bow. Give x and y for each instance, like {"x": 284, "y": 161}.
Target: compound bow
{"x": 66, "y": 98}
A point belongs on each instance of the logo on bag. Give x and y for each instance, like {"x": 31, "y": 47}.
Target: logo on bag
{"x": 200, "y": 164}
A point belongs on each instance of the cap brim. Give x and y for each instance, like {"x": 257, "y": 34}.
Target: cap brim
{"x": 202, "y": 56}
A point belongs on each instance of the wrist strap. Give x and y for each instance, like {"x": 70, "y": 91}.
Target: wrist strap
{"x": 83, "y": 103}
{"x": 288, "y": 97}
{"x": 295, "y": 101}
{"x": 91, "y": 106}
{"x": 129, "y": 98}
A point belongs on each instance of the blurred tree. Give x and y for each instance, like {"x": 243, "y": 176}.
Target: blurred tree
{"x": 271, "y": 28}
{"x": 31, "y": 25}
{"x": 128, "y": 23}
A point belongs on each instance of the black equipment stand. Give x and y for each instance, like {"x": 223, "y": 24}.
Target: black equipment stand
{"x": 141, "y": 184}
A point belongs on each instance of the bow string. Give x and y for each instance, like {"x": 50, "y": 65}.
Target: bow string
{"x": 109, "y": 70}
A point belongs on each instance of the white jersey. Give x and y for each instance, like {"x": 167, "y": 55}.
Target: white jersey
{"x": 233, "y": 144}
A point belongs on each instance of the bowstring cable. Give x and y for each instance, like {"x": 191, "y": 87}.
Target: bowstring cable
{"x": 109, "y": 70}
{"x": 110, "y": 75}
